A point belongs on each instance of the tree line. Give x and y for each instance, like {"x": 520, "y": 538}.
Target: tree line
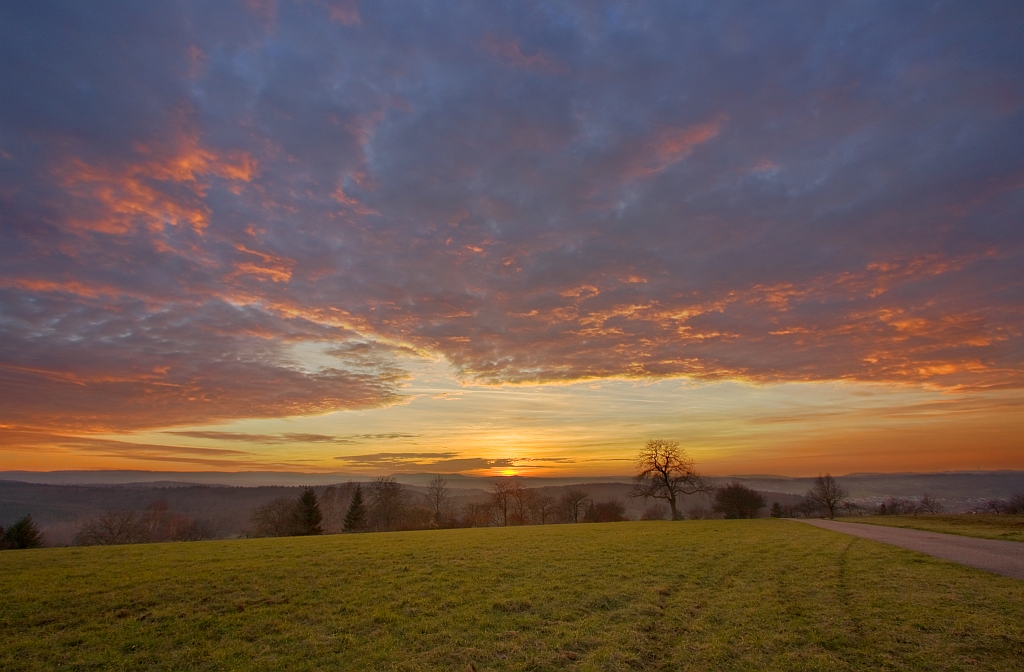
{"x": 384, "y": 505}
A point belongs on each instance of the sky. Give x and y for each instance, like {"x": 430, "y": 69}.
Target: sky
{"x": 500, "y": 238}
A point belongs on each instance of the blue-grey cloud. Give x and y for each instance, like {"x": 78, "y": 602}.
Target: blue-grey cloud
{"x": 535, "y": 192}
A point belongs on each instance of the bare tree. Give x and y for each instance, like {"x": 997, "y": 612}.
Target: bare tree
{"x": 439, "y": 500}
{"x": 806, "y": 507}
{"x": 666, "y": 472}
{"x": 852, "y": 509}
{"x": 153, "y": 523}
{"x": 501, "y": 500}
{"x": 827, "y": 494}
{"x": 276, "y": 518}
{"x": 388, "y": 503}
{"x": 521, "y": 499}
{"x": 928, "y": 504}
{"x": 610, "y": 511}
{"x": 542, "y": 509}
{"x": 897, "y": 506}
{"x": 574, "y": 504}
{"x": 476, "y": 514}
{"x": 110, "y": 527}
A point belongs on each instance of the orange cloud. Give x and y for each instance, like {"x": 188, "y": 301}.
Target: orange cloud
{"x": 273, "y": 267}
{"x": 128, "y": 197}
{"x": 663, "y": 148}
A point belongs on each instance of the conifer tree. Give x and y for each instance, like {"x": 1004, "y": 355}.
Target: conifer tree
{"x": 355, "y": 519}
{"x": 307, "y": 514}
{"x": 22, "y": 534}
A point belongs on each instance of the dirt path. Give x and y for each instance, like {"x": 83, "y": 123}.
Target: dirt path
{"x": 1001, "y": 557}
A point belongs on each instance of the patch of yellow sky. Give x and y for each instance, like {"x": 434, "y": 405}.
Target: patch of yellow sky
{"x": 594, "y": 428}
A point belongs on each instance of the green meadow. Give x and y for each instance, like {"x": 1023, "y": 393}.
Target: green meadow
{"x": 984, "y": 526}
{"x": 695, "y": 595}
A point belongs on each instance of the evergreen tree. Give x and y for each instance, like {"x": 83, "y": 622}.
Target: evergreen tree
{"x": 22, "y": 534}
{"x": 307, "y": 514}
{"x": 355, "y": 519}
{"x": 776, "y": 510}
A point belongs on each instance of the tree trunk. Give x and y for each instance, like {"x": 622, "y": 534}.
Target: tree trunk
{"x": 672, "y": 504}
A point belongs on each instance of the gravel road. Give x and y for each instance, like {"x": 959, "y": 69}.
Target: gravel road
{"x": 1001, "y": 557}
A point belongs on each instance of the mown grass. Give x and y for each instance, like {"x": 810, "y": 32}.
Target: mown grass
{"x": 984, "y": 526}
{"x": 694, "y": 595}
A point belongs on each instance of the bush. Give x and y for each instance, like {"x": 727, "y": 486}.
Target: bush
{"x": 738, "y": 501}
{"x": 655, "y": 512}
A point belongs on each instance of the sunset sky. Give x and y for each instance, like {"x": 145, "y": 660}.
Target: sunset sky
{"x": 511, "y": 238}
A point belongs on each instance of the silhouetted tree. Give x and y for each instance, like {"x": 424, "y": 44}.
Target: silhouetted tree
{"x": 806, "y": 507}
{"x": 276, "y": 518}
{"x": 109, "y": 528}
{"x": 776, "y": 510}
{"x": 152, "y": 524}
{"x": 24, "y": 533}
{"x": 388, "y": 503}
{"x": 827, "y": 494}
{"x": 439, "y": 500}
{"x": 573, "y": 503}
{"x": 897, "y": 506}
{"x": 610, "y": 511}
{"x": 738, "y": 501}
{"x": 501, "y": 500}
{"x": 307, "y": 514}
{"x": 666, "y": 472}
{"x": 187, "y": 528}
{"x": 476, "y": 514}
{"x": 591, "y": 515}
{"x": 520, "y": 500}
{"x": 928, "y": 504}
{"x": 543, "y": 509}
{"x": 355, "y": 518}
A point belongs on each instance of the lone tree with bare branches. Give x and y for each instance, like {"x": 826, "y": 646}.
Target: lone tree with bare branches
{"x": 439, "y": 497}
{"x": 666, "y": 472}
{"x": 827, "y": 494}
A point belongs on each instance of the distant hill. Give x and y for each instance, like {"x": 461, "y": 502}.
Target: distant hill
{"x": 951, "y": 485}
{"x": 959, "y": 485}
{"x": 61, "y": 501}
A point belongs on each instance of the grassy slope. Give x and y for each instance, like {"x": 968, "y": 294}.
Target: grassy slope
{"x": 762, "y": 594}
{"x": 1010, "y": 528}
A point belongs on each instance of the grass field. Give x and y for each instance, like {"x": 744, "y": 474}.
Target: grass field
{"x": 700, "y": 595}
{"x": 985, "y": 526}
